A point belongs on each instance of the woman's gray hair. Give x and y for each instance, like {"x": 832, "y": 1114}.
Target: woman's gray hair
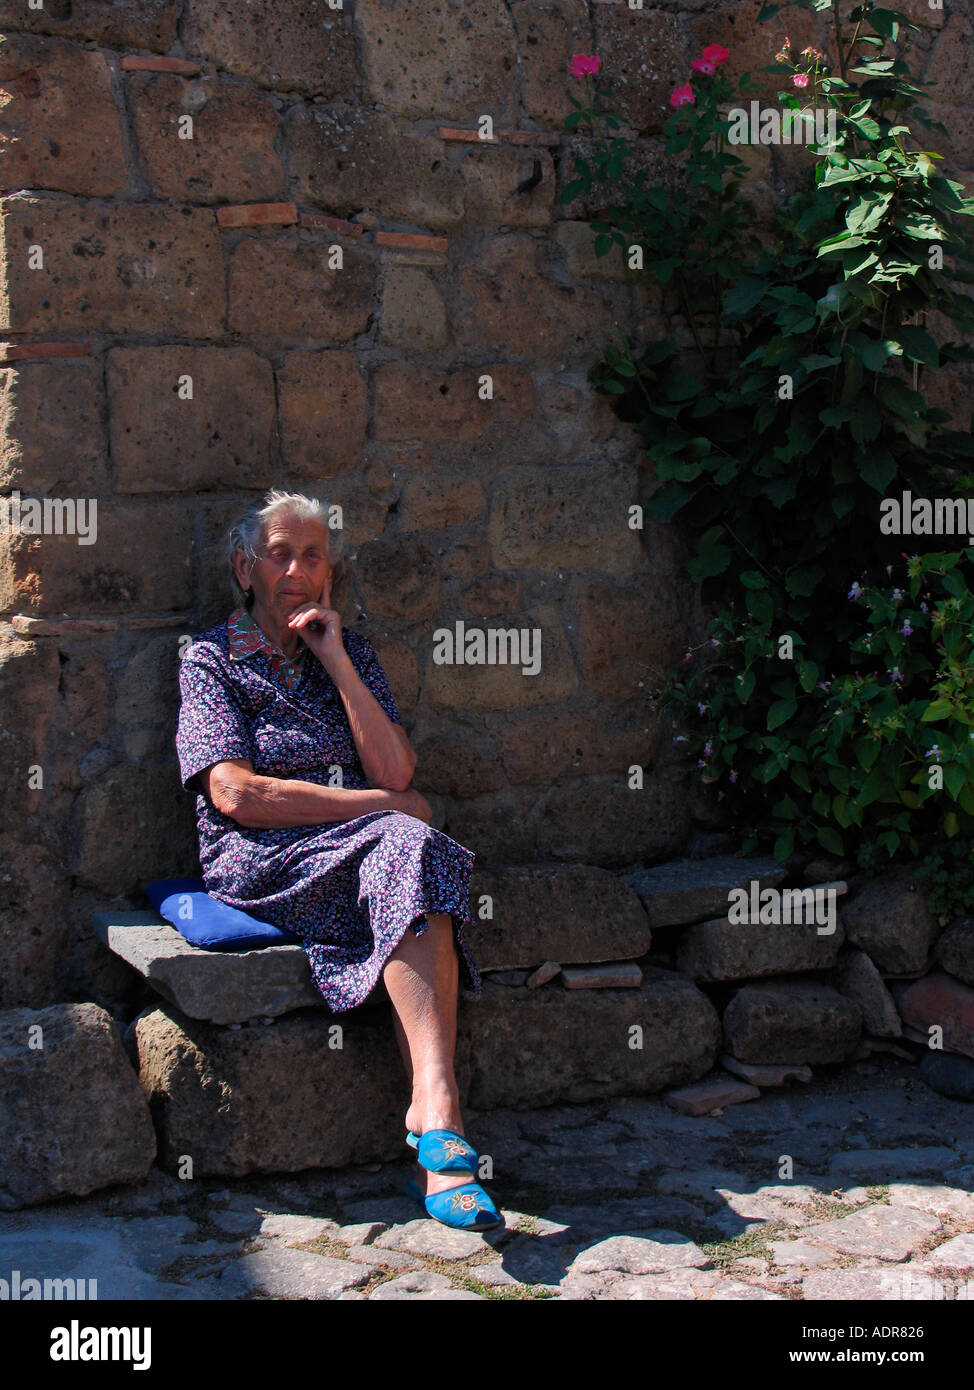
{"x": 248, "y": 532}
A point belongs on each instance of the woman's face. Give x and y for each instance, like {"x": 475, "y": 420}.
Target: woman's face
{"x": 291, "y": 567}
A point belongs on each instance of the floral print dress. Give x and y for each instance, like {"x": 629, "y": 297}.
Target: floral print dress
{"x": 349, "y": 890}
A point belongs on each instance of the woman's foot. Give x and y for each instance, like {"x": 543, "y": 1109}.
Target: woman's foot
{"x": 421, "y": 1117}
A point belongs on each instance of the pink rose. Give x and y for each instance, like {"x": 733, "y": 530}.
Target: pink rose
{"x": 585, "y": 65}
{"x": 800, "y": 79}
{"x": 701, "y": 65}
{"x": 715, "y": 53}
{"x": 682, "y": 96}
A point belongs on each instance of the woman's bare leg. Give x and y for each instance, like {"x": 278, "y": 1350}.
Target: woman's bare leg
{"x": 421, "y": 979}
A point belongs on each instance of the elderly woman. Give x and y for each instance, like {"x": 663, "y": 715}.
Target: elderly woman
{"x": 307, "y": 819}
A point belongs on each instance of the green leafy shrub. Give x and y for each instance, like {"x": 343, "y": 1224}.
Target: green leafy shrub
{"x": 800, "y": 409}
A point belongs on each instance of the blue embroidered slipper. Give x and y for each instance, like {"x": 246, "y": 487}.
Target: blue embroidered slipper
{"x": 443, "y": 1151}
{"x": 466, "y": 1208}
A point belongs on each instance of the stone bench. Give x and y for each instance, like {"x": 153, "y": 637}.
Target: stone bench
{"x": 323, "y": 1089}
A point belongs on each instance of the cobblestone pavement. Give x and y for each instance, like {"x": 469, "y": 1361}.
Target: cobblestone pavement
{"x": 620, "y": 1199}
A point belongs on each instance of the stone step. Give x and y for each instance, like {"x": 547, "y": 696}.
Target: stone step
{"x": 570, "y": 913}
{"x": 289, "y": 1097}
{"x": 691, "y": 890}
{"x": 219, "y": 986}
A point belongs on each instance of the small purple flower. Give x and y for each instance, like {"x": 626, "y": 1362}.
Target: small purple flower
{"x": 897, "y": 595}
{"x": 701, "y": 763}
{"x": 703, "y": 708}
{"x": 856, "y": 591}
{"x": 680, "y": 738}
{"x": 733, "y": 775}
{"x": 714, "y": 642}
{"x": 906, "y": 629}
{"x": 708, "y": 751}
{"x": 688, "y": 657}
{"x": 924, "y": 608}
{"x": 933, "y": 752}
{"x": 896, "y": 675}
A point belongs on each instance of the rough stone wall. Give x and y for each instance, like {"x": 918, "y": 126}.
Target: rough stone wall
{"x": 315, "y": 130}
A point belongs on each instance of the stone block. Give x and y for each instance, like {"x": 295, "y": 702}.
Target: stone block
{"x": 230, "y": 157}
{"x": 136, "y": 826}
{"x": 573, "y": 519}
{"x": 940, "y": 1000}
{"x": 620, "y": 823}
{"x": 948, "y": 1074}
{"x": 440, "y": 62}
{"x": 570, "y": 913}
{"x": 290, "y": 1274}
{"x": 501, "y": 189}
{"x": 323, "y": 412}
{"x": 858, "y": 979}
{"x": 767, "y": 1075}
{"x": 723, "y": 950}
{"x": 285, "y": 290}
{"x": 443, "y": 411}
{"x": 350, "y": 158}
{"x": 400, "y": 579}
{"x": 792, "y": 1021}
{"x": 691, "y": 890}
{"x": 29, "y": 675}
{"x": 513, "y": 299}
{"x": 548, "y": 38}
{"x": 889, "y": 919}
{"x": 710, "y": 1095}
{"x": 532, "y": 661}
{"x": 140, "y": 558}
{"x": 413, "y": 310}
{"x": 645, "y": 53}
{"x": 545, "y": 972}
{"x": 954, "y": 951}
{"x": 281, "y": 1099}
{"x": 53, "y": 428}
{"x": 221, "y": 437}
{"x": 35, "y": 921}
{"x": 59, "y": 127}
{"x": 628, "y": 633}
{"x": 111, "y": 269}
{"x": 538, "y": 746}
{"x": 536, "y": 1047}
{"x": 456, "y": 761}
{"x": 878, "y": 1232}
{"x": 576, "y": 241}
{"x": 218, "y": 986}
{"x": 72, "y": 1118}
{"x": 436, "y": 501}
{"x": 619, "y": 975}
{"x": 308, "y": 49}
{"x": 151, "y": 24}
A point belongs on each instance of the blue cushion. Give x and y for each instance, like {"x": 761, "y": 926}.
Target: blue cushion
{"x": 207, "y": 922}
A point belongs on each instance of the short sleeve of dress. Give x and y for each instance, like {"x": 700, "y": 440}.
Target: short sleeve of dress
{"x": 372, "y": 675}
{"x": 212, "y": 726}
